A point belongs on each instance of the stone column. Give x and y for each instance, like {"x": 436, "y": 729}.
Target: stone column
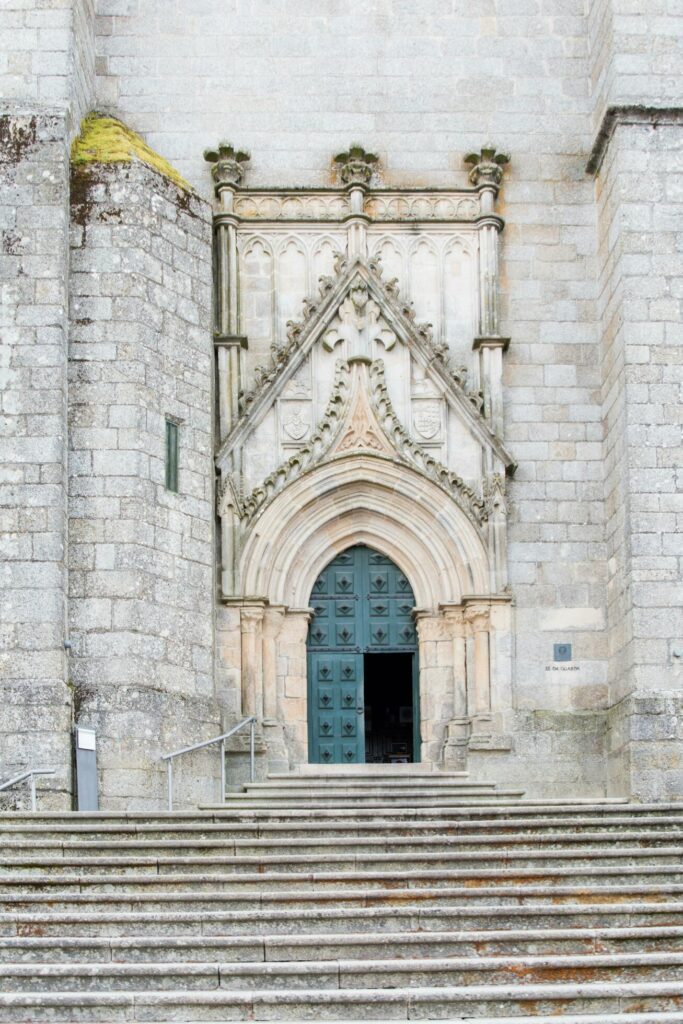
{"x": 229, "y": 379}
{"x": 477, "y": 617}
{"x": 273, "y": 724}
{"x": 486, "y": 175}
{"x": 355, "y": 170}
{"x": 436, "y": 682}
{"x": 251, "y": 622}
{"x": 227, "y": 171}
{"x": 272, "y": 624}
{"x": 457, "y": 733}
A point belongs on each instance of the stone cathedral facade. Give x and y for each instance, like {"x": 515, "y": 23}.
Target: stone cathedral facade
{"x": 376, "y": 441}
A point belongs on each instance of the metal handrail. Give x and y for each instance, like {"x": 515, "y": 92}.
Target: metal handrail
{"x": 31, "y": 774}
{"x": 251, "y": 721}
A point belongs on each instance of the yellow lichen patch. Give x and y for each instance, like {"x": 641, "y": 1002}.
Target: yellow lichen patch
{"x": 105, "y": 140}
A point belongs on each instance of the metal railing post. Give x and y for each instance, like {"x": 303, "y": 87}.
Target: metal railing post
{"x": 31, "y": 776}
{"x": 169, "y": 767}
{"x": 169, "y": 758}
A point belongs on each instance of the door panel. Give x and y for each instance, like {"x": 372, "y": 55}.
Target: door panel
{"x": 335, "y": 665}
{"x": 361, "y": 603}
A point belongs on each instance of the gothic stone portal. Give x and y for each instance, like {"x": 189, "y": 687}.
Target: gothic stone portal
{"x": 362, "y": 663}
{"x": 359, "y": 387}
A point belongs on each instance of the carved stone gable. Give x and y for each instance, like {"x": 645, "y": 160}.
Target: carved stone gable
{"x": 360, "y": 430}
{"x": 357, "y": 322}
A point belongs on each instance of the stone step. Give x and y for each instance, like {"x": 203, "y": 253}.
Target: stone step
{"x": 339, "y": 946}
{"x": 670, "y": 875}
{"x": 393, "y": 803}
{"x": 343, "y": 791}
{"x": 405, "y": 915}
{"x": 446, "y": 1002}
{"x": 392, "y": 772}
{"x": 342, "y": 974}
{"x": 526, "y": 808}
{"x": 127, "y": 862}
{"x": 472, "y": 846}
{"x": 338, "y": 895}
{"x": 356, "y": 824}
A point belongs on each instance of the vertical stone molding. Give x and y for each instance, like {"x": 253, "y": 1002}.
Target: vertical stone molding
{"x": 272, "y": 625}
{"x": 228, "y": 379}
{"x": 491, "y": 351}
{"x": 436, "y": 681}
{"x": 486, "y": 175}
{"x": 477, "y": 617}
{"x": 457, "y": 733}
{"x": 251, "y": 626}
{"x": 356, "y": 169}
{"x": 292, "y": 681}
{"x": 227, "y": 171}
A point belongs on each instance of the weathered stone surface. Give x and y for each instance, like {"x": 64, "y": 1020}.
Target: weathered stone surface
{"x": 586, "y": 395}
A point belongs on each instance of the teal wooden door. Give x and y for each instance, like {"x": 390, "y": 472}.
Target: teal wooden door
{"x": 362, "y": 603}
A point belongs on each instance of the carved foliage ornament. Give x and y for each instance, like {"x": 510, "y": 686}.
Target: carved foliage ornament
{"x": 310, "y": 453}
{"x": 487, "y": 166}
{"x": 227, "y": 163}
{"x": 416, "y": 456}
{"x": 357, "y": 166}
{"x": 360, "y": 324}
{"x": 298, "y": 329}
{"x": 360, "y": 435}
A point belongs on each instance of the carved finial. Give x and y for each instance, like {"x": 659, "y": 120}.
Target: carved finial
{"x": 487, "y": 166}
{"x": 227, "y": 163}
{"x": 356, "y": 167}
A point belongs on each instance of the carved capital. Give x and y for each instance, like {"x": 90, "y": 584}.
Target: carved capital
{"x": 251, "y": 617}
{"x": 487, "y": 166}
{"x": 477, "y": 616}
{"x": 227, "y": 170}
{"x": 357, "y": 166}
{"x": 454, "y": 614}
{"x": 272, "y": 622}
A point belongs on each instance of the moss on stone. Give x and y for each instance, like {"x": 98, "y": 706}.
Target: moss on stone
{"x": 106, "y": 140}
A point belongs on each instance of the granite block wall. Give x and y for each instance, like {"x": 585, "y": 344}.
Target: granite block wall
{"x": 47, "y": 56}
{"x": 642, "y": 243}
{"x": 422, "y": 85}
{"x": 591, "y": 300}
{"x": 141, "y": 557}
{"x": 34, "y": 220}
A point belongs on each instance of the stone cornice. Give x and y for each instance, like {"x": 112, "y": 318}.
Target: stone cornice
{"x": 625, "y": 114}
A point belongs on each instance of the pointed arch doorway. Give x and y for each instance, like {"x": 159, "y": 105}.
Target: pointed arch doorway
{"x": 362, "y": 661}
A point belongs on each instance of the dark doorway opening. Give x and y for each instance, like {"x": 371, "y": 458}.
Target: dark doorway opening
{"x": 389, "y": 711}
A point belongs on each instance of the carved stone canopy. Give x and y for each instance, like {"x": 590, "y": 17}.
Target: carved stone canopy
{"x": 228, "y": 164}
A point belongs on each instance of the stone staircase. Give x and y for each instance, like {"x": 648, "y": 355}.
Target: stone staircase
{"x": 385, "y": 895}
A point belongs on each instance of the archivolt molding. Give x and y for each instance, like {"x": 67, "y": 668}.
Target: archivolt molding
{"x": 360, "y": 499}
